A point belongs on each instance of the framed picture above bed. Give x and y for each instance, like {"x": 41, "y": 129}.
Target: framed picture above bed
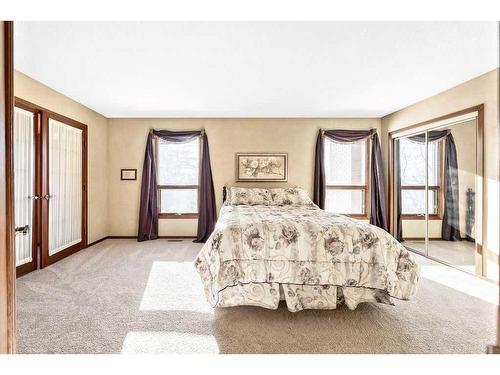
{"x": 261, "y": 167}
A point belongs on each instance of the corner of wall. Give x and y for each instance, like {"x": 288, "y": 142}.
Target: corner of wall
{"x": 107, "y": 192}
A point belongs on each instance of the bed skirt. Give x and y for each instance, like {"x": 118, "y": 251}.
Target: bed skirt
{"x": 299, "y": 297}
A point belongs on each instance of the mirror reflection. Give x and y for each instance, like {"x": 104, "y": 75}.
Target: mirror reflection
{"x": 445, "y": 190}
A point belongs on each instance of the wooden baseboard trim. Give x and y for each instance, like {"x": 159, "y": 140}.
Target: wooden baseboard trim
{"x": 493, "y": 349}
{"x": 96, "y": 242}
{"x": 178, "y": 237}
{"x": 135, "y": 237}
{"x": 430, "y": 239}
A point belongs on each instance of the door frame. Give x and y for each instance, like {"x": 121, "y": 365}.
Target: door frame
{"x": 8, "y": 330}
{"x": 44, "y": 115}
{"x": 480, "y": 267}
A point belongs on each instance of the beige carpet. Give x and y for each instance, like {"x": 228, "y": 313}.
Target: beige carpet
{"x": 121, "y": 296}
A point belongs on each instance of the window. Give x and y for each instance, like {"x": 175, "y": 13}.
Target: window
{"x": 346, "y": 166}
{"x": 178, "y": 178}
{"x": 412, "y": 160}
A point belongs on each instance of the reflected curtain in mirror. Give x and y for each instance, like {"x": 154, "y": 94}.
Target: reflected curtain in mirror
{"x": 450, "y": 226}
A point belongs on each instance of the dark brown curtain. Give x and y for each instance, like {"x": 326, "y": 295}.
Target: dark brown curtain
{"x": 397, "y": 182}
{"x": 348, "y": 136}
{"x": 319, "y": 173}
{"x": 148, "y": 212}
{"x": 434, "y": 135}
{"x": 378, "y": 214}
{"x": 377, "y": 196}
{"x": 450, "y": 229}
{"x": 207, "y": 211}
{"x": 177, "y": 136}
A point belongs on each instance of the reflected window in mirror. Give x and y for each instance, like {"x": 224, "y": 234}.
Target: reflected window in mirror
{"x": 412, "y": 160}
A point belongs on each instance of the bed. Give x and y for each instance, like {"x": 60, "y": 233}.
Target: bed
{"x": 275, "y": 244}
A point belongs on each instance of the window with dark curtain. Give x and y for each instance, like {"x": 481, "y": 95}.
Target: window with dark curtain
{"x": 178, "y": 178}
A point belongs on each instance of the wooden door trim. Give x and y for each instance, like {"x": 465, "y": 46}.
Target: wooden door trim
{"x": 56, "y": 116}
{"x": 7, "y": 227}
{"x": 421, "y": 127}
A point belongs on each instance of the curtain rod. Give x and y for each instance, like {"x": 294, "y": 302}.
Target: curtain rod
{"x": 323, "y": 130}
{"x": 202, "y": 130}
{"x": 374, "y": 130}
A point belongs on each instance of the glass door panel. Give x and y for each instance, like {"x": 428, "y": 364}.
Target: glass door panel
{"x": 65, "y": 181}
{"x": 63, "y": 196}
{"x": 411, "y": 200}
{"x": 24, "y": 188}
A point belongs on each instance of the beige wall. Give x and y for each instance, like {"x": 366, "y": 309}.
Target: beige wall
{"x": 466, "y": 159}
{"x": 37, "y": 93}
{"x": 297, "y": 137}
{"x": 480, "y": 90}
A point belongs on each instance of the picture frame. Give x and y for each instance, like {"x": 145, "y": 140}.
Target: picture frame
{"x": 128, "y": 174}
{"x": 262, "y": 167}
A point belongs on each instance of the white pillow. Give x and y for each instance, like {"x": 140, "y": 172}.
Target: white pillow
{"x": 290, "y": 196}
{"x": 249, "y": 196}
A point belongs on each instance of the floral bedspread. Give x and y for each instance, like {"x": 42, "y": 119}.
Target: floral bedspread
{"x": 315, "y": 258}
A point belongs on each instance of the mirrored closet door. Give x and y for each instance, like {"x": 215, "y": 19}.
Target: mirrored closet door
{"x": 436, "y": 180}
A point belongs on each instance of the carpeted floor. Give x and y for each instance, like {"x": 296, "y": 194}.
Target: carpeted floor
{"x": 121, "y": 296}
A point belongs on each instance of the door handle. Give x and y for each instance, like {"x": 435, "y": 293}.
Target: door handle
{"x": 47, "y": 196}
{"x": 22, "y": 230}
{"x": 34, "y": 197}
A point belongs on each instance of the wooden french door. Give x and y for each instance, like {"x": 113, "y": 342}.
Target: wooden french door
{"x": 26, "y": 190}
{"x": 63, "y": 187}
{"x": 50, "y": 158}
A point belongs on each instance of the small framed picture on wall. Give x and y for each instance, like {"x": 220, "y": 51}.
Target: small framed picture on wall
{"x": 128, "y": 174}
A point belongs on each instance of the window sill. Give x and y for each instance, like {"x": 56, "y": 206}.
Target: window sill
{"x": 178, "y": 216}
{"x": 357, "y": 216}
{"x": 419, "y": 217}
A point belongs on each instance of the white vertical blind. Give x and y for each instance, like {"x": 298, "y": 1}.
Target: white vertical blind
{"x": 65, "y": 185}
{"x": 24, "y": 174}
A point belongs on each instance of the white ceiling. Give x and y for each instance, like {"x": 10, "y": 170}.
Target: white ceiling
{"x": 253, "y": 69}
